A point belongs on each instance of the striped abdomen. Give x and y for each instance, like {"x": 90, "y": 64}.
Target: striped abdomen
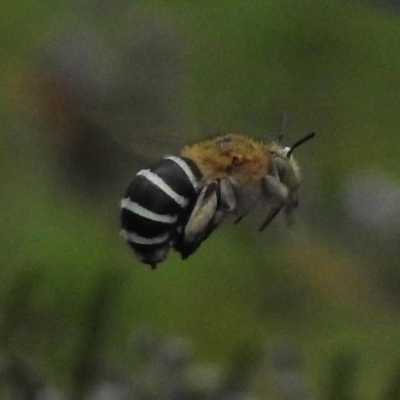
{"x": 156, "y": 204}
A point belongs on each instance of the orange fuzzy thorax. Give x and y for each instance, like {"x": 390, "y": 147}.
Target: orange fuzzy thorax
{"x": 231, "y": 156}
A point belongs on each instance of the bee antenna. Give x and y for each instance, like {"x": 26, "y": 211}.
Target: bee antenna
{"x": 299, "y": 142}
{"x": 282, "y": 125}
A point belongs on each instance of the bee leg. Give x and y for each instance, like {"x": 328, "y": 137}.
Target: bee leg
{"x": 216, "y": 200}
{"x": 289, "y": 217}
{"x": 271, "y": 215}
{"x": 202, "y": 221}
{"x": 294, "y": 202}
{"x": 227, "y": 196}
{"x": 228, "y": 199}
{"x": 240, "y": 217}
{"x": 274, "y": 190}
{"x": 278, "y": 193}
{"x": 228, "y": 203}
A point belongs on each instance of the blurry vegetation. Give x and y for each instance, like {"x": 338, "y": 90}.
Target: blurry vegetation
{"x": 93, "y": 90}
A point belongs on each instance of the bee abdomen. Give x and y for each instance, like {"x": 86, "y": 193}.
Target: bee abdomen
{"x": 155, "y": 204}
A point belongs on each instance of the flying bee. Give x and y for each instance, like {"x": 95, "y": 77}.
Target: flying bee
{"x": 180, "y": 200}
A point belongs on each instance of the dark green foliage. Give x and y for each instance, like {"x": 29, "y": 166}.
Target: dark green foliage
{"x": 90, "y": 91}
{"x": 94, "y": 327}
{"x": 17, "y": 304}
{"x": 392, "y": 391}
{"x": 342, "y": 378}
{"x": 166, "y": 370}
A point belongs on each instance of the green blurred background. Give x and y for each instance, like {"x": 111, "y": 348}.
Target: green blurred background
{"x": 90, "y": 91}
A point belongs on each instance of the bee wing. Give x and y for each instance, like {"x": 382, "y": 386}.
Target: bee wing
{"x": 204, "y": 218}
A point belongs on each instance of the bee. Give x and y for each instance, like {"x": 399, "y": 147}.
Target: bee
{"x": 180, "y": 200}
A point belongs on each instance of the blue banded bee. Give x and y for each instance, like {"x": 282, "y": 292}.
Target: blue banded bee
{"x": 179, "y": 201}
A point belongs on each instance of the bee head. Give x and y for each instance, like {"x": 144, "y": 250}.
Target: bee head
{"x": 286, "y": 166}
{"x": 289, "y": 176}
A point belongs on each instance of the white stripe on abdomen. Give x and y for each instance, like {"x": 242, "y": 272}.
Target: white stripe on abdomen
{"x": 137, "y": 209}
{"x": 135, "y": 238}
{"x": 186, "y": 169}
{"x": 163, "y": 186}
